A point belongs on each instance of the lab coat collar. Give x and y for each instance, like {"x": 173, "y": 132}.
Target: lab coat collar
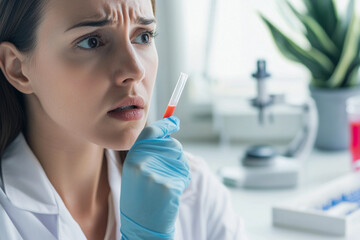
{"x": 25, "y": 182}
{"x": 114, "y": 170}
{"x": 27, "y": 186}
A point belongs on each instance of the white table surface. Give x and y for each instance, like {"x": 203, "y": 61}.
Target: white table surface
{"x": 254, "y": 206}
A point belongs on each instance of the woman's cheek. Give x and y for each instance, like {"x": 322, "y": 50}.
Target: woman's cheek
{"x": 76, "y": 58}
{"x": 150, "y": 61}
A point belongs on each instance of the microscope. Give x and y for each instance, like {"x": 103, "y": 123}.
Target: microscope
{"x": 261, "y": 166}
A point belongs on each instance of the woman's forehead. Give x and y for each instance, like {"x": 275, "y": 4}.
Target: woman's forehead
{"x": 73, "y": 11}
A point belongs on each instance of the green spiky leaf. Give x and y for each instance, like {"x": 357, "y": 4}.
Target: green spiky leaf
{"x": 315, "y": 34}
{"x": 318, "y": 64}
{"x": 343, "y": 25}
{"x": 350, "y": 52}
{"x": 324, "y": 12}
{"x": 351, "y": 78}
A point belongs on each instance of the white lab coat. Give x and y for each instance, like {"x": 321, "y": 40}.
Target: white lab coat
{"x": 30, "y": 206}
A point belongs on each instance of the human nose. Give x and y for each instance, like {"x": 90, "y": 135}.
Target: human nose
{"x": 129, "y": 67}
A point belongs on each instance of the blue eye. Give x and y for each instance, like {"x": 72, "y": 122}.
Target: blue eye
{"x": 90, "y": 42}
{"x": 145, "y": 38}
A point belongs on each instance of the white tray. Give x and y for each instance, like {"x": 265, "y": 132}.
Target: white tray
{"x": 315, "y": 211}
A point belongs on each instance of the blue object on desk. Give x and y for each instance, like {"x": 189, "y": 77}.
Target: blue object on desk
{"x": 352, "y": 197}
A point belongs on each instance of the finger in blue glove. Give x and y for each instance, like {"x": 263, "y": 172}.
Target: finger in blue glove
{"x": 155, "y": 174}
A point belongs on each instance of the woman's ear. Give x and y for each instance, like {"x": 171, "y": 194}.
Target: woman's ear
{"x": 11, "y": 64}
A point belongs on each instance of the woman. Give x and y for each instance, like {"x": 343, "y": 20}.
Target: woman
{"x": 75, "y": 84}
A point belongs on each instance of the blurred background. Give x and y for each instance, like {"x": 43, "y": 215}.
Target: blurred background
{"x": 218, "y": 43}
{"x": 311, "y": 52}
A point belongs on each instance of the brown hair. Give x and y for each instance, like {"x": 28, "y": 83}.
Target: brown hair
{"x": 19, "y": 20}
{"x": 153, "y": 6}
{"x": 18, "y": 24}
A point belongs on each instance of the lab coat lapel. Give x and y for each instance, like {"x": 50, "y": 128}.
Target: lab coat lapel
{"x": 114, "y": 170}
{"x": 25, "y": 182}
{"x": 27, "y": 188}
{"x": 27, "y": 197}
{"x": 21, "y": 220}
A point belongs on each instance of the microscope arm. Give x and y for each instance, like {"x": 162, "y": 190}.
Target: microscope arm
{"x": 303, "y": 142}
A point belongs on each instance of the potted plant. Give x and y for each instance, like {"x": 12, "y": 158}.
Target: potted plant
{"x": 333, "y": 59}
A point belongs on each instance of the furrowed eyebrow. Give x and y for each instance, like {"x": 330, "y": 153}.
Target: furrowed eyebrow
{"x": 91, "y": 24}
{"x": 145, "y": 21}
{"x": 101, "y": 23}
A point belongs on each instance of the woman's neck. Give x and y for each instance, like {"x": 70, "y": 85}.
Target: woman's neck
{"x": 80, "y": 176}
{"x": 77, "y": 170}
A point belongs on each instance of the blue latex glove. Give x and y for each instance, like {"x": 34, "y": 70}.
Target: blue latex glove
{"x": 154, "y": 176}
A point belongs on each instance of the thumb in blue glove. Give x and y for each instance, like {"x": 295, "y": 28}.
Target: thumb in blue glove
{"x": 155, "y": 174}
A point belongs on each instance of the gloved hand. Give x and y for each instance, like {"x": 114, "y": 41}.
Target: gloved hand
{"x": 155, "y": 174}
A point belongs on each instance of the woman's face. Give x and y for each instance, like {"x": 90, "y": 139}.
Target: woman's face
{"x": 93, "y": 56}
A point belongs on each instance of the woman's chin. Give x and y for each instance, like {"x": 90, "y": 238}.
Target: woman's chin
{"x": 122, "y": 143}
{"x": 119, "y": 140}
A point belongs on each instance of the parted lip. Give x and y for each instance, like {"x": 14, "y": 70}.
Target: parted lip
{"x": 136, "y": 101}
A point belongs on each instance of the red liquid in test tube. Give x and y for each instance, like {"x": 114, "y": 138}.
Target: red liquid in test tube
{"x": 169, "y": 111}
{"x": 355, "y": 144}
{"x": 353, "y": 113}
{"x": 176, "y": 95}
